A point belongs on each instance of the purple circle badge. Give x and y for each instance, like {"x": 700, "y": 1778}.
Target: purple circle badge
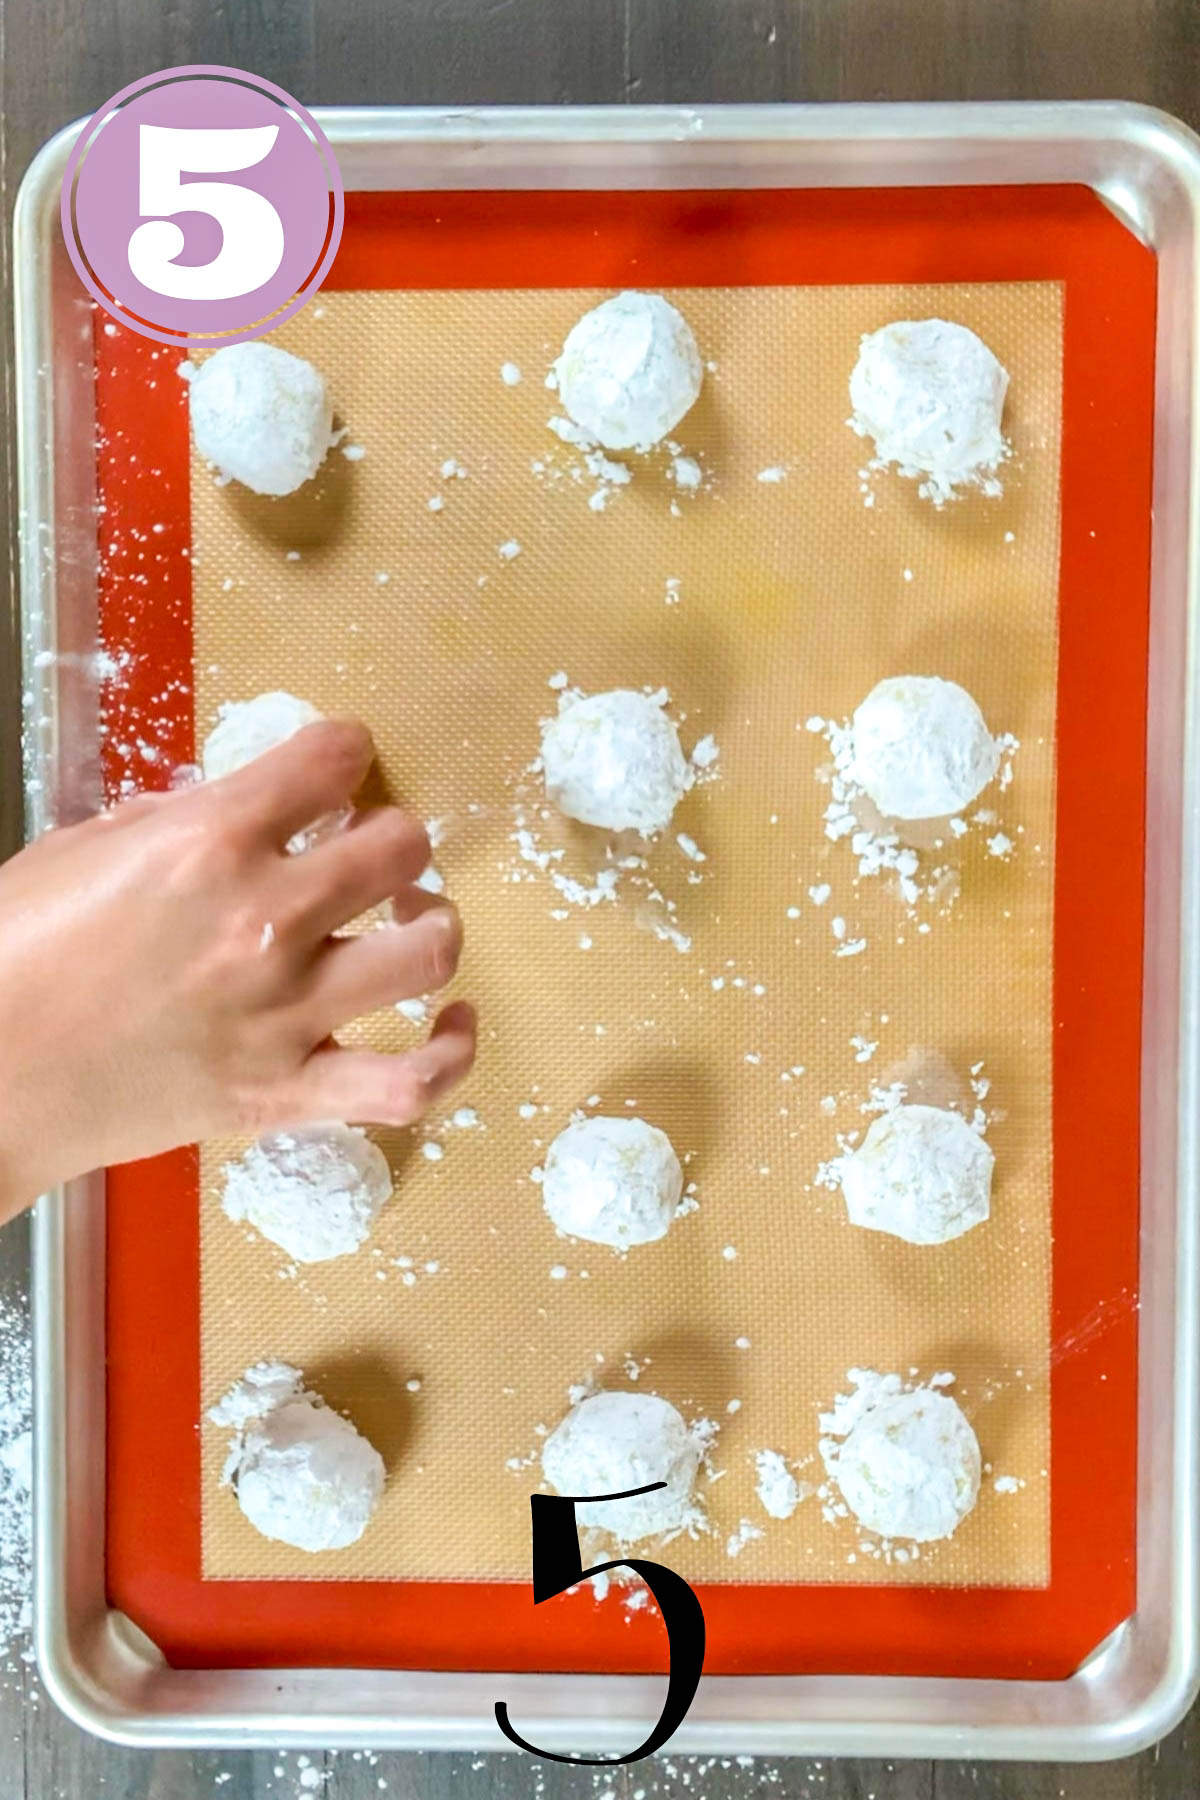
{"x": 202, "y": 206}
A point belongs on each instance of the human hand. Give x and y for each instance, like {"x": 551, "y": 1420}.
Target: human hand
{"x": 168, "y": 972}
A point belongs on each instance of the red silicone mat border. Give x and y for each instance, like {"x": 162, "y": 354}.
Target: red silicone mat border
{"x": 153, "y": 1323}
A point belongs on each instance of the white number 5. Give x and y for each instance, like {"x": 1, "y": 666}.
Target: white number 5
{"x": 252, "y": 231}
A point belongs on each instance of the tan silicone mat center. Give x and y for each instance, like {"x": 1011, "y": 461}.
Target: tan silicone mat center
{"x": 757, "y": 604}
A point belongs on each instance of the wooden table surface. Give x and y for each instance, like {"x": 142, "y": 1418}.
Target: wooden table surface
{"x": 60, "y": 59}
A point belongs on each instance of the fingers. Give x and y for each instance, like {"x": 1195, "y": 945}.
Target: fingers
{"x": 133, "y": 811}
{"x": 410, "y": 901}
{"x": 356, "y": 975}
{"x": 368, "y": 1088}
{"x": 356, "y": 869}
{"x": 317, "y": 771}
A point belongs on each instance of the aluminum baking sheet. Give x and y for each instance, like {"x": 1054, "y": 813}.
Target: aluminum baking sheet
{"x": 1138, "y": 1682}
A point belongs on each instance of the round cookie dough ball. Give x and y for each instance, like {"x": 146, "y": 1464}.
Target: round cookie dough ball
{"x": 302, "y": 1474}
{"x": 314, "y": 1191}
{"x": 629, "y": 371}
{"x": 262, "y": 415}
{"x": 612, "y": 1442}
{"x": 612, "y": 1181}
{"x": 249, "y": 728}
{"x": 921, "y": 1173}
{"x": 922, "y": 749}
{"x": 931, "y": 394}
{"x": 614, "y": 760}
{"x": 910, "y": 1467}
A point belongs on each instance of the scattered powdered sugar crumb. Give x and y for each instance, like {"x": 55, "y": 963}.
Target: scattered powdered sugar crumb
{"x": 509, "y": 549}
{"x": 1008, "y": 1484}
{"x": 510, "y": 374}
{"x": 772, "y": 475}
{"x": 664, "y": 930}
{"x": 876, "y": 850}
{"x": 777, "y": 1488}
{"x": 415, "y": 1011}
{"x": 706, "y": 752}
{"x": 603, "y": 468}
{"x": 745, "y": 1534}
{"x": 690, "y": 848}
{"x": 686, "y": 471}
{"x": 570, "y": 433}
{"x": 16, "y": 1481}
{"x": 353, "y": 452}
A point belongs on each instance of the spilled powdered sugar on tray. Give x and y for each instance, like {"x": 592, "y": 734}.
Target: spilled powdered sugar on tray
{"x": 778, "y": 1491}
{"x": 16, "y": 1485}
{"x": 607, "y": 476}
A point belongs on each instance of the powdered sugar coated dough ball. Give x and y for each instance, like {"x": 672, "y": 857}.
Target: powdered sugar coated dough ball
{"x": 921, "y": 1173}
{"x": 910, "y": 1467}
{"x": 302, "y": 1474}
{"x": 931, "y": 394}
{"x": 261, "y": 415}
{"x": 922, "y": 749}
{"x": 314, "y": 1191}
{"x": 614, "y": 760}
{"x": 249, "y": 728}
{"x": 612, "y": 1181}
{"x": 612, "y": 1442}
{"x": 629, "y": 371}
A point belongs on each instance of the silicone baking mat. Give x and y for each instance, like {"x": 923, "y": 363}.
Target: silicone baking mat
{"x": 762, "y": 603}
{"x": 755, "y": 603}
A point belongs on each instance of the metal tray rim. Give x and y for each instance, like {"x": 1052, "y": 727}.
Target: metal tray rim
{"x": 98, "y": 1668}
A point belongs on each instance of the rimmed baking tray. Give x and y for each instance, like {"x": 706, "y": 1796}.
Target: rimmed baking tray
{"x": 1130, "y": 1690}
